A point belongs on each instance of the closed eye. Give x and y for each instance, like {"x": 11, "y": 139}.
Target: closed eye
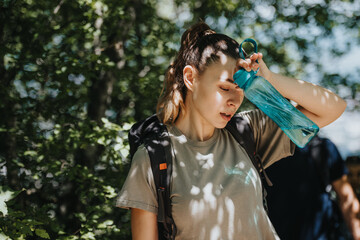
{"x": 224, "y": 89}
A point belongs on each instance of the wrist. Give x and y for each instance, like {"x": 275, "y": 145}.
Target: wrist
{"x": 265, "y": 72}
{"x": 269, "y": 76}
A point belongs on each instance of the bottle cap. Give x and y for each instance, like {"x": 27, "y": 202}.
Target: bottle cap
{"x": 242, "y": 77}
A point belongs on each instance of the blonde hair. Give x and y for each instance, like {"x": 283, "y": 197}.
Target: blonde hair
{"x": 200, "y": 46}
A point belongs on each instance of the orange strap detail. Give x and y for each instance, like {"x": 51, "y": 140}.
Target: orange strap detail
{"x": 163, "y": 166}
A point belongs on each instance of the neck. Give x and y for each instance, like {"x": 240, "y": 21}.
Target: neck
{"x": 194, "y": 127}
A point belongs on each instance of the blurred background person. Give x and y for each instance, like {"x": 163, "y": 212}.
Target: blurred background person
{"x": 312, "y": 197}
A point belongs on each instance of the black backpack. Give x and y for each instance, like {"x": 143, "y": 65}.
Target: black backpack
{"x": 156, "y": 140}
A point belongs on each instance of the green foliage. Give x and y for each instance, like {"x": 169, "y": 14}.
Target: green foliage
{"x": 75, "y": 76}
{"x": 5, "y": 196}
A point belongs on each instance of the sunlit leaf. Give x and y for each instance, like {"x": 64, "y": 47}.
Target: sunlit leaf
{"x": 6, "y": 195}
{"x": 42, "y": 233}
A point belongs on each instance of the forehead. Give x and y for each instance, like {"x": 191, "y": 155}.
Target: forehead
{"x": 224, "y": 68}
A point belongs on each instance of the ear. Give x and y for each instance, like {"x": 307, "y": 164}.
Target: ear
{"x": 189, "y": 74}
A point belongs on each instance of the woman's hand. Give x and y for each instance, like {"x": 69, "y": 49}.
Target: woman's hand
{"x": 254, "y": 63}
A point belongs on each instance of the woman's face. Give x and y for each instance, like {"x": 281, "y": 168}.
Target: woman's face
{"x": 216, "y": 97}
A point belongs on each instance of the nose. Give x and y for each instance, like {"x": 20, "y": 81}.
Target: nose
{"x": 235, "y": 99}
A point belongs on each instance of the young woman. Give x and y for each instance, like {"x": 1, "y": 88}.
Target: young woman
{"x": 216, "y": 192}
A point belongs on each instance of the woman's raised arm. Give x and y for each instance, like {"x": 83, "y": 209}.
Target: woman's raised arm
{"x": 319, "y": 104}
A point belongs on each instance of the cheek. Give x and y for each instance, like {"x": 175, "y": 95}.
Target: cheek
{"x": 212, "y": 99}
{"x": 218, "y": 98}
{"x": 241, "y": 99}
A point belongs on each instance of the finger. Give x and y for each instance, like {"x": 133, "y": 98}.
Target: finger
{"x": 254, "y": 56}
{"x": 254, "y": 66}
{"x": 247, "y": 65}
{"x": 244, "y": 63}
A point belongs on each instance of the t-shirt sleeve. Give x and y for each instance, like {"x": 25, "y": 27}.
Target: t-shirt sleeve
{"x": 337, "y": 166}
{"x": 272, "y": 144}
{"x": 139, "y": 189}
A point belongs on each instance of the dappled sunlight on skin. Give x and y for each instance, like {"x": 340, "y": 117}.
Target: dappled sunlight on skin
{"x": 323, "y": 100}
{"x": 315, "y": 92}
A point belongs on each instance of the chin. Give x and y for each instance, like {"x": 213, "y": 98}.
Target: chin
{"x": 221, "y": 125}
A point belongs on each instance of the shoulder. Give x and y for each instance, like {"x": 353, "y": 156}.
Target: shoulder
{"x": 141, "y": 157}
{"x": 252, "y": 114}
{"x": 255, "y": 118}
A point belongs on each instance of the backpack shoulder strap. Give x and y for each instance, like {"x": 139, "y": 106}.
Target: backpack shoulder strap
{"x": 156, "y": 140}
{"x": 243, "y": 134}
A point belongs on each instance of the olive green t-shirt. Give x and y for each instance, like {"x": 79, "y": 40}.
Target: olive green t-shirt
{"x": 216, "y": 192}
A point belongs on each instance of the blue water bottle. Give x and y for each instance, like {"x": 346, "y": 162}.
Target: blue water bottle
{"x": 260, "y": 92}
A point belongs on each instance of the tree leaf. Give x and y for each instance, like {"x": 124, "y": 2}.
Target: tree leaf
{"x": 42, "y": 233}
{"x": 4, "y": 237}
{"x": 6, "y": 194}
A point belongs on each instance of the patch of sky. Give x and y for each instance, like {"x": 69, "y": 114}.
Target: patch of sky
{"x": 53, "y": 92}
{"x": 289, "y": 10}
{"x": 30, "y": 67}
{"x": 347, "y": 8}
{"x": 230, "y": 30}
{"x": 34, "y": 85}
{"x": 249, "y": 17}
{"x": 275, "y": 68}
{"x": 283, "y": 29}
{"x": 166, "y": 9}
{"x": 292, "y": 50}
{"x": 173, "y": 45}
{"x": 110, "y": 113}
{"x": 77, "y": 79}
{"x": 210, "y": 20}
{"x": 33, "y": 94}
{"x": 265, "y": 11}
{"x": 57, "y": 39}
{"x": 346, "y": 63}
{"x": 46, "y": 125}
{"x": 345, "y": 133}
{"x": 308, "y": 31}
{"x": 179, "y": 14}
{"x": 222, "y": 22}
{"x": 312, "y": 74}
{"x": 247, "y": 31}
{"x": 20, "y": 88}
{"x": 261, "y": 37}
{"x": 47, "y": 128}
{"x": 185, "y": 15}
{"x": 312, "y": 3}
{"x": 344, "y": 91}
{"x": 159, "y": 60}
